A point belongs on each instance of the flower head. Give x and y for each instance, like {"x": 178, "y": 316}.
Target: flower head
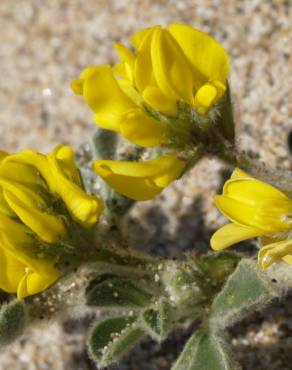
{"x": 159, "y": 93}
{"x": 38, "y": 195}
{"x": 168, "y": 68}
{"x": 256, "y": 209}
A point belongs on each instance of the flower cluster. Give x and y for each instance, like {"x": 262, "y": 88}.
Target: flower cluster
{"x": 256, "y": 209}
{"x": 167, "y": 84}
{"x": 170, "y": 72}
{"x": 34, "y": 190}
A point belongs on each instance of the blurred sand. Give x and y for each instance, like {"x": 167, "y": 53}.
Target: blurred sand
{"x": 44, "y": 44}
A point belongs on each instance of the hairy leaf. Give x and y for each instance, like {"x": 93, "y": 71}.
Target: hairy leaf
{"x": 157, "y": 321}
{"x": 113, "y": 291}
{"x": 205, "y": 351}
{"x": 12, "y": 321}
{"x": 245, "y": 290}
{"x": 112, "y": 338}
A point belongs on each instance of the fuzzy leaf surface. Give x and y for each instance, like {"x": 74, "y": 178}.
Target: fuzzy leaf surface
{"x": 112, "y": 338}
{"x": 114, "y": 291}
{"x": 12, "y": 321}
{"x": 245, "y": 290}
{"x": 205, "y": 351}
{"x": 157, "y": 321}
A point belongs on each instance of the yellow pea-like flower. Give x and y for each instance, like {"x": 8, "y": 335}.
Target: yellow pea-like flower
{"x": 85, "y": 209}
{"x": 59, "y": 173}
{"x": 113, "y": 107}
{"x": 20, "y": 273}
{"x": 35, "y": 190}
{"x": 168, "y": 66}
{"x": 21, "y": 193}
{"x": 140, "y": 180}
{"x": 256, "y": 209}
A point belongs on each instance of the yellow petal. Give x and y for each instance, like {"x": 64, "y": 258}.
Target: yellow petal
{"x": 154, "y": 97}
{"x": 238, "y": 173}
{"x": 11, "y": 170}
{"x": 275, "y": 213}
{"x": 141, "y": 129}
{"x": 253, "y": 202}
{"x": 125, "y": 54}
{"x": 12, "y": 271}
{"x": 143, "y": 65}
{"x": 77, "y": 87}
{"x": 38, "y": 161}
{"x": 128, "y": 58}
{"x": 120, "y": 70}
{"x": 207, "y": 96}
{"x": 266, "y": 215}
{"x": 4, "y": 207}
{"x": 27, "y": 193}
{"x": 231, "y": 234}
{"x": 173, "y": 168}
{"x": 34, "y": 282}
{"x": 66, "y": 158}
{"x": 23, "y": 274}
{"x": 150, "y": 168}
{"x": 210, "y": 61}
{"x": 84, "y": 208}
{"x": 140, "y": 181}
{"x": 138, "y": 38}
{"x": 171, "y": 68}
{"x": 104, "y": 96}
{"x": 235, "y": 211}
{"x": 130, "y": 91}
{"x": 220, "y": 86}
{"x": 251, "y": 191}
{"x": 14, "y": 232}
{"x": 48, "y": 227}
{"x": 274, "y": 252}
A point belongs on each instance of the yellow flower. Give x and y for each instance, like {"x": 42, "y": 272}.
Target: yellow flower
{"x": 21, "y": 196}
{"x": 20, "y": 273}
{"x": 256, "y": 209}
{"x": 143, "y": 180}
{"x": 85, "y": 209}
{"x": 169, "y": 66}
{"x": 35, "y": 189}
{"x": 59, "y": 173}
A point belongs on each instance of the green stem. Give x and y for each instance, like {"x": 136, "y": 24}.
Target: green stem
{"x": 126, "y": 260}
{"x": 192, "y": 158}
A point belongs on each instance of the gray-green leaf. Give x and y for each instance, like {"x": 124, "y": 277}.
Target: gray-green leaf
{"x": 112, "y": 338}
{"x": 205, "y": 351}
{"x": 112, "y": 291}
{"x": 157, "y": 321}
{"x": 245, "y": 290}
{"x": 12, "y": 321}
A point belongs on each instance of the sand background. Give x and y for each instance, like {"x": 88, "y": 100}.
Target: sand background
{"x": 44, "y": 44}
